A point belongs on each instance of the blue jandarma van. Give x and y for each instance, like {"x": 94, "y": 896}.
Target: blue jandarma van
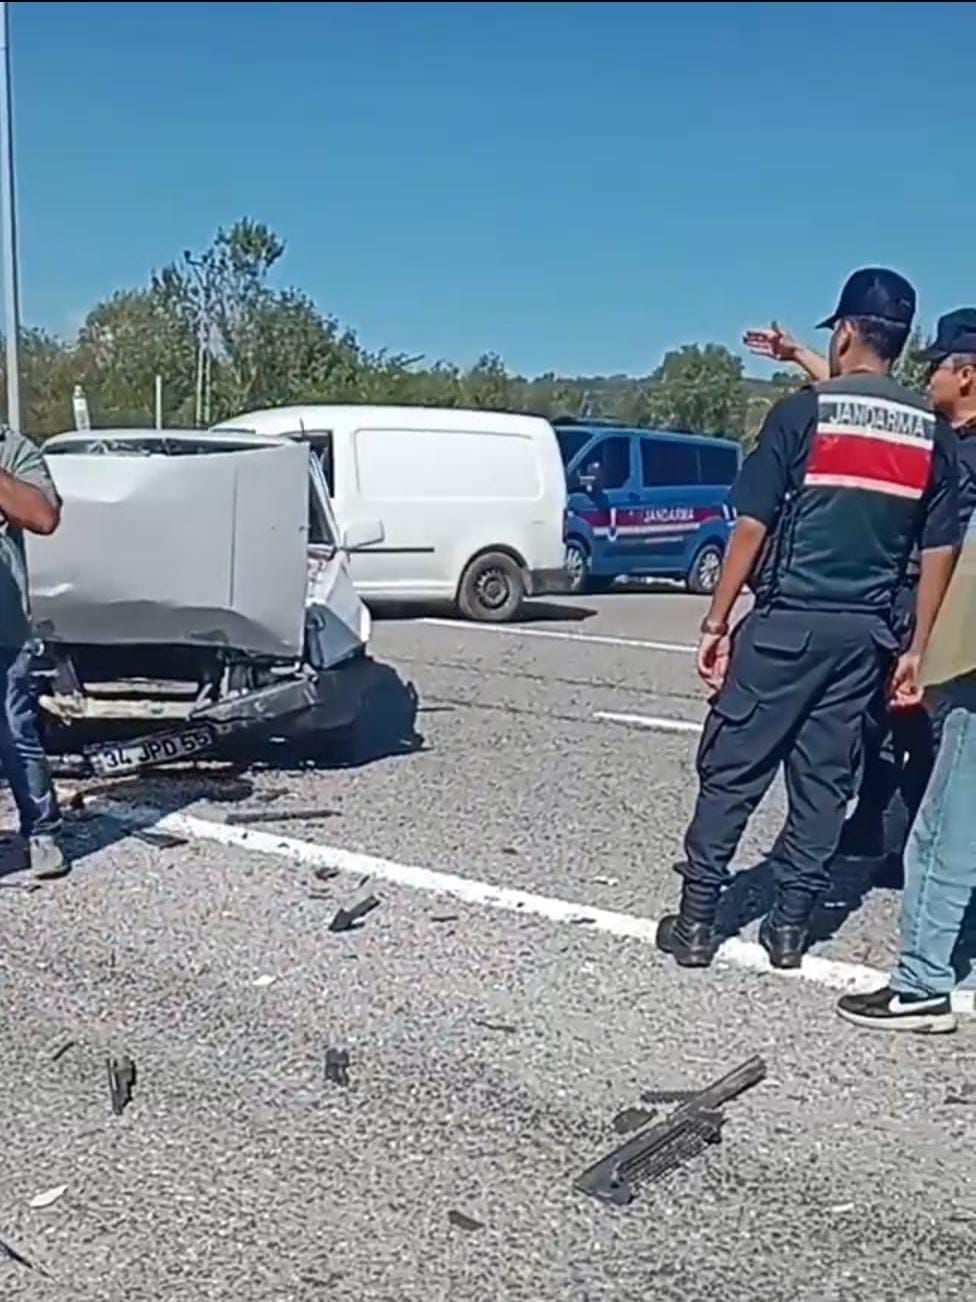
{"x": 645, "y": 502}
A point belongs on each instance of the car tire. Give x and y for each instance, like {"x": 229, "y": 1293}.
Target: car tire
{"x": 705, "y": 570}
{"x": 577, "y": 566}
{"x": 492, "y": 589}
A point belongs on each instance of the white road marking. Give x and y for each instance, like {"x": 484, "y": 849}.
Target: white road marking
{"x": 658, "y": 724}
{"x": 507, "y": 630}
{"x": 832, "y": 973}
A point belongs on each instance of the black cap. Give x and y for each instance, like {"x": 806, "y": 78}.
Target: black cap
{"x": 955, "y": 333}
{"x": 876, "y": 292}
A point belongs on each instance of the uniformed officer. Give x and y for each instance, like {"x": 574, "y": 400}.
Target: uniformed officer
{"x": 849, "y": 476}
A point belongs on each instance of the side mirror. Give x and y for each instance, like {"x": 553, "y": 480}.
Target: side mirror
{"x": 362, "y": 533}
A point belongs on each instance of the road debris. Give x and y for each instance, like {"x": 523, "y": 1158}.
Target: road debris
{"x": 964, "y": 1095}
{"x": 462, "y": 1222}
{"x": 262, "y": 982}
{"x": 494, "y": 1026}
{"x": 346, "y": 919}
{"x": 159, "y": 839}
{"x": 324, "y": 874}
{"x": 239, "y": 817}
{"x": 48, "y": 1198}
{"x": 659, "y": 1149}
{"x": 444, "y": 917}
{"x": 631, "y": 1119}
{"x": 841, "y": 1208}
{"x": 20, "y": 1259}
{"x": 607, "y": 881}
{"x": 581, "y": 920}
{"x": 661, "y": 1097}
{"x": 122, "y": 1077}
{"x": 337, "y": 1066}
{"x": 62, "y": 1049}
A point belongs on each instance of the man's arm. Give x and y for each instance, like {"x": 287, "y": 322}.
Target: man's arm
{"x": 28, "y": 498}
{"x": 757, "y": 497}
{"x": 779, "y": 343}
{"x": 940, "y": 535}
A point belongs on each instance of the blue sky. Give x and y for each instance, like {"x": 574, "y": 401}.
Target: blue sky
{"x": 577, "y": 186}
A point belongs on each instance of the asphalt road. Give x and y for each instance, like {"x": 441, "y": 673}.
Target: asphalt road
{"x": 492, "y": 1037}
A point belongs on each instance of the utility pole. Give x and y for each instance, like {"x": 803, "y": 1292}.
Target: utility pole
{"x": 202, "y": 273}
{"x": 11, "y": 298}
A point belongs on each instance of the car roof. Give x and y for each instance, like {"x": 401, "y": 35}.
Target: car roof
{"x": 316, "y": 418}
{"x": 670, "y": 435}
{"x": 222, "y": 440}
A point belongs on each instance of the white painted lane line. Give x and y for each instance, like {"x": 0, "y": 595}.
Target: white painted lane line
{"x": 658, "y": 724}
{"x": 740, "y": 953}
{"x": 507, "y": 630}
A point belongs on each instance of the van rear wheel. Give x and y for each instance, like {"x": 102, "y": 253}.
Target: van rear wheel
{"x": 492, "y": 589}
{"x": 705, "y": 570}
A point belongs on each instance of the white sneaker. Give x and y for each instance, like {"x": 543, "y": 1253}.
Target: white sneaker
{"x": 46, "y": 858}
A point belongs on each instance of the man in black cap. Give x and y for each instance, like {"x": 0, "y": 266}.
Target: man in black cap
{"x": 940, "y": 858}
{"x": 848, "y": 478}
{"x": 906, "y": 732}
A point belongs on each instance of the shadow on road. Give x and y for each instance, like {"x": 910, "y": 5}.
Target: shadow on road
{"x": 533, "y": 612}
{"x": 750, "y": 897}
{"x": 385, "y": 729}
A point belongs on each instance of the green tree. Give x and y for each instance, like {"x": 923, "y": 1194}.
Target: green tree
{"x": 910, "y": 370}
{"x": 698, "y": 388}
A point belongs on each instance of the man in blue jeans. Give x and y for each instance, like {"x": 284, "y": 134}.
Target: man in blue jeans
{"x": 940, "y": 858}
{"x": 28, "y": 500}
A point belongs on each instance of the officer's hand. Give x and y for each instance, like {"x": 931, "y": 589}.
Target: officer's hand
{"x": 905, "y": 691}
{"x": 773, "y": 341}
{"x": 713, "y": 659}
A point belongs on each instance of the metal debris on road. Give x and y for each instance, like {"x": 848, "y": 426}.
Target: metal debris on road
{"x": 346, "y": 919}
{"x": 463, "y": 1222}
{"x": 48, "y": 1198}
{"x": 337, "y": 1066}
{"x": 324, "y": 874}
{"x": 159, "y": 839}
{"x": 121, "y": 1081}
{"x": 661, "y": 1148}
{"x": 631, "y": 1119}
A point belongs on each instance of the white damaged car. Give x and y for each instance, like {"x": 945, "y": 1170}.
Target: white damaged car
{"x": 194, "y": 597}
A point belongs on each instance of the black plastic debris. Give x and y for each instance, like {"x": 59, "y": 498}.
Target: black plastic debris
{"x": 324, "y": 874}
{"x": 159, "y": 839}
{"x": 462, "y": 1222}
{"x": 337, "y": 1066}
{"x": 661, "y": 1097}
{"x": 444, "y": 917}
{"x": 244, "y": 816}
{"x": 631, "y": 1119}
{"x": 346, "y": 919}
{"x": 65, "y": 1047}
{"x": 494, "y": 1026}
{"x": 20, "y": 1260}
{"x": 121, "y": 1081}
{"x": 965, "y": 1095}
{"x": 659, "y": 1149}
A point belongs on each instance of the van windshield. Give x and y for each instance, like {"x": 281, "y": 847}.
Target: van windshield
{"x": 572, "y": 441}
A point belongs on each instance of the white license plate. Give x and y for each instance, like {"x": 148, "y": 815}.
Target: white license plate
{"x": 129, "y": 756}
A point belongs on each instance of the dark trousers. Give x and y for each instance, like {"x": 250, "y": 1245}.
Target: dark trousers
{"x": 899, "y": 752}
{"x": 22, "y": 756}
{"x": 796, "y": 692}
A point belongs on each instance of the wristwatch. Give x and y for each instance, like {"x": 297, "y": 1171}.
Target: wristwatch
{"x": 714, "y": 627}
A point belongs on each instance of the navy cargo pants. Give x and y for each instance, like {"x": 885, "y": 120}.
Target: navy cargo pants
{"x": 798, "y": 685}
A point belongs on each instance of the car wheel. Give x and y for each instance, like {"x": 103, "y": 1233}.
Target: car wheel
{"x": 492, "y": 589}
{"x": 705, "y": 570}
{"x": 577, "y": 566}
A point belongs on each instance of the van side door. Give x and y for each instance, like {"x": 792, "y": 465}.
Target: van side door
{"x": 665, "y": 523}
{"x": 601, "y": 486}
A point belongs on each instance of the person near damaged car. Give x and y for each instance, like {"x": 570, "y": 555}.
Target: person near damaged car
{"x": 850, "y": 476}
{"x": 28, "y": 501}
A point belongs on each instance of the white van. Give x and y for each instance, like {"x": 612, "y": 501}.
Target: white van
{"x": 438, "y": 503}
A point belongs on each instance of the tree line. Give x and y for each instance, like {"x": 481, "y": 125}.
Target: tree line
{"x": 225, "y": 341}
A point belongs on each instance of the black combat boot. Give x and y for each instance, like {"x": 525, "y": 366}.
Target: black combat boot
{"x": 785, "y": 931}
{"x": 689, "y": 935}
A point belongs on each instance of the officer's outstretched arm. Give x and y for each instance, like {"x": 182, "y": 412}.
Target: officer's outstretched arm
{"x": 778, "y": 343}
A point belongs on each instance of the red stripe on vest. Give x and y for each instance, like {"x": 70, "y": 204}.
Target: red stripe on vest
{"x": 871, "y": 459}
